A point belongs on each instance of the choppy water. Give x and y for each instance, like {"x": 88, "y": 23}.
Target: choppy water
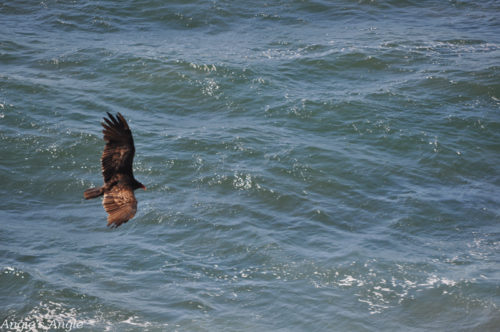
{"x": 311, "y": 165}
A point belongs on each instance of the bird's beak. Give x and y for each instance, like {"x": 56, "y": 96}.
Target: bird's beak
{"x": 143, "y": 187}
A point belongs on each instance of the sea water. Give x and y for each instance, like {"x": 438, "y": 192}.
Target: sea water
{"x": 310, "y": 165}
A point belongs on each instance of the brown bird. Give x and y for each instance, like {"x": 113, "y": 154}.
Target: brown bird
{"x": 119, "y": 182}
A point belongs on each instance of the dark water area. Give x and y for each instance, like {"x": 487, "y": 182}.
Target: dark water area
{"x": 311, "y": 165}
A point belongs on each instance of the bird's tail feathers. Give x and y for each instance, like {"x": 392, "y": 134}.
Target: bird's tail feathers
{"x": 92, "y": 193}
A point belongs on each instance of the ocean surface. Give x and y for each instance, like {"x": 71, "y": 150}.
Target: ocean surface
{"x": 310, "y": 165}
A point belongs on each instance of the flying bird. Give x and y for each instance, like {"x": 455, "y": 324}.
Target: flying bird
{"x": 119, "y": 182}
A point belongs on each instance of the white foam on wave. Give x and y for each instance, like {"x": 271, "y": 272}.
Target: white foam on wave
{"x": 433, "y": 280}
{"x": 203, "y": 67}
{"x": 54, "y": 316}
{"x": 242, "y": 181}
{"x": 132, "y": 321}
{"x": 382, "y": 293}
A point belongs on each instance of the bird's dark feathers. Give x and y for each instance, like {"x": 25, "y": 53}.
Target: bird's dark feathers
{"x": 119, "y": 182}
{"x": 119, "y": 151}
{"x": 120, "y": 204}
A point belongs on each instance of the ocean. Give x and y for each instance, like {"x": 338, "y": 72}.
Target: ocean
{"x": 311, "y": 165}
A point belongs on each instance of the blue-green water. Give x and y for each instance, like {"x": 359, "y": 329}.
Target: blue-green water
{"x": 311, "y": 165}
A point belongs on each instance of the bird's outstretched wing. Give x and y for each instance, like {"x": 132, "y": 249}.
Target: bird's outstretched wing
{"x": 118, "y": 153}
{"x": 120, "y": 204}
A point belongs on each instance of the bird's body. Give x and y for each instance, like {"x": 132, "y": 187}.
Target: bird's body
{"x": 119, "y": 182}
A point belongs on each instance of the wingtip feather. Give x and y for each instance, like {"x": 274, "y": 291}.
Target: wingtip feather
{"x": 123, "y": 121}
{"x": 116, "y": 121}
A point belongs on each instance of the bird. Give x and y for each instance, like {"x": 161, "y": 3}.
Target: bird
{"x": 116, "y": 162}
